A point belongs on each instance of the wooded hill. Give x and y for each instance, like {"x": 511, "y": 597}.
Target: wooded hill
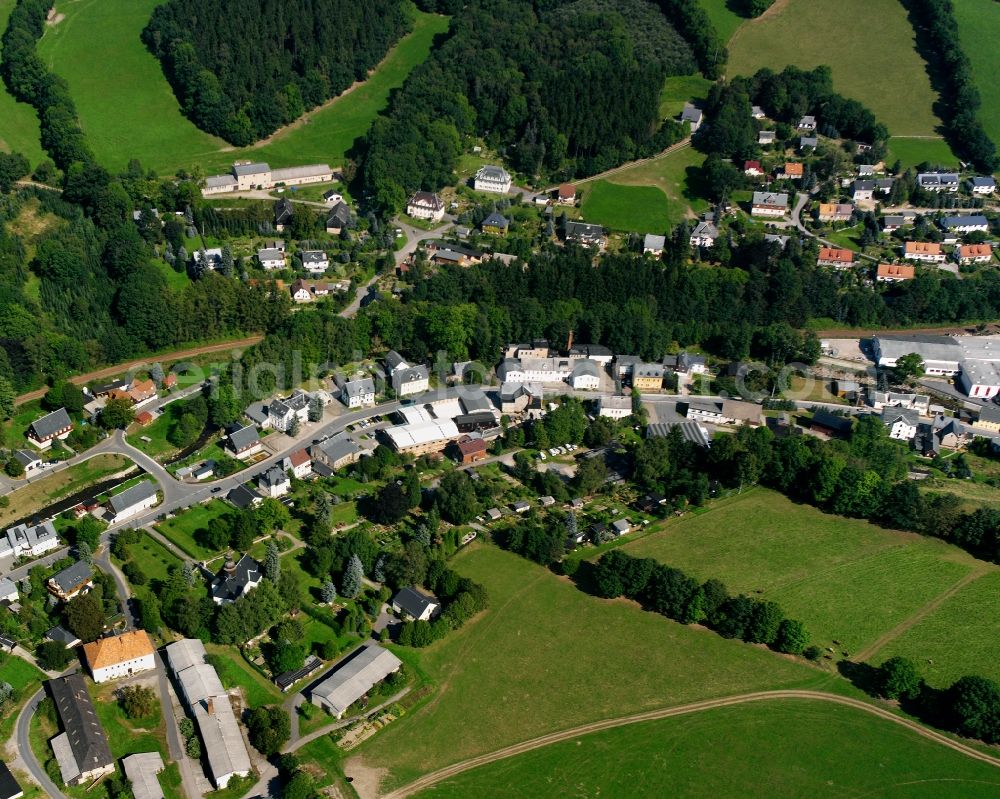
{"x": 243, "y": 68}
{"x": 568, "y": 90}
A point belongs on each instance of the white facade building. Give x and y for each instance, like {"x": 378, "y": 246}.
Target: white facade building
{"x": 614, "y": 407}
{"x": 493, "y": 179}
{"x": 119, "y": 656}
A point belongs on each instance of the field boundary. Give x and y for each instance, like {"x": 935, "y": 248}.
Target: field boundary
{"x": 891, "y": 635}
{"x": 429, "y": 780}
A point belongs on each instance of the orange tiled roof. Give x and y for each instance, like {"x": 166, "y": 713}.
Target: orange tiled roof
{"x": 923, "y": 248}
{"x": 902, "y": 271}
{"x": 119, "y": 649}
{"x": 836, "y": 255}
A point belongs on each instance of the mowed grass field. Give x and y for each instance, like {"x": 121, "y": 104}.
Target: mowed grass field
{"x": 979, "y": 30}
{"x": 958, "y": 638}
{"x": 869, "y": 45}
{"x": 845, "y": 579}
{"x": 546, "y": 656}
{"x": 18, "y": 122}
{"x": 723, "y": 18}
{"x": 784, "y": 749}
{"x": 914, "y": 151}
{"x": 128, "y": 110}
{"x": 642, "y": 209}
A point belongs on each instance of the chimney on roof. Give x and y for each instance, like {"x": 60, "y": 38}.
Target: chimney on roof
{"x": 569, "y": 340}
{"x": 230, "y": 567}
{"x": 209, "y": 706}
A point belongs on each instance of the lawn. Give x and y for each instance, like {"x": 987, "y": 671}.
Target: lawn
{"x": 140, "y": 117}
{"x": 682, "y": 89}
{"x": 180, "y": 529}
{"x": 971, "y": 616}
{"x": 847, "y": 580}
{"x": 42, "y": 493}
{"x": 587, "y": 659}
{"x": 874, "y": 60}
{"x": 724, "y": 19}
{"x": 912, "y": 152}
{"x": 770, "y": 750}
{"x": 19, "y": 130}
{"x": 814, "y": 389}
{"x": 626, "y": 208}
{"x": 235, "y": 672}
{"x": 979, "y": 27}
{"x": 672, "y": 174}
{"x": 25, "y": 679}
{"x": 127, "y": 736}
{"x": 157, "y": 432}
{"x": 153, "y": 558}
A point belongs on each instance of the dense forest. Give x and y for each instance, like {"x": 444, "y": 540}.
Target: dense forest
{"x": 243, "y": 68}
{"x": 566, "y": 90}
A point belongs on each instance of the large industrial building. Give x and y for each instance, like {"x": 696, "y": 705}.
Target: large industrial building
{"x": 974, "y": 359}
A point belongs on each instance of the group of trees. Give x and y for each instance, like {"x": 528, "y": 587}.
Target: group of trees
{"x": 565, "y": 90}
{"x": 940, "y": 44}
{"x": 247, "y": 67}
{"x": 461, "y": 599}
{"x": 680, "y": 597}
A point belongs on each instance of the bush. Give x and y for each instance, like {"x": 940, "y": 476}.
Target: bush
{"x": 268, "y": 729}
{"x": 137, "y": 701}
{"x": 134, "y": 573}
{"x": 53, "y": 656}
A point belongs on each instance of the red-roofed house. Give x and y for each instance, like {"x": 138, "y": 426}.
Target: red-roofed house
{"x": 974, "y": 254}
{"x": 143, "y": 418}
{"x": 792, "y": 172}
{"x": 169, "y": 380}
{"x": 893, "y": 273}
{"x": 566, "y": 194}
{"x": 753, "y": 169}
{"x": 928, "y": 251}
{"x": 833, "y": 256}
{"x": 299, "y": 462}
{"x": 469, "y": 450}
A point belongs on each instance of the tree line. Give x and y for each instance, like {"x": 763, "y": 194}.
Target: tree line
{"x": 951, "y": 71}
{"x": 565, "y": 90}
{"x": 243, "y": 68}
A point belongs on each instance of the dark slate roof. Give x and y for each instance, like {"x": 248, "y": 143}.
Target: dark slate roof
{"x": 273, "y": 476}
{"x": 9, "y": 787}
{"x": 412, "y": 601}
{"x": 62, "y": 635}
{"x": 838, "y": 424}
{"x": 496, "y": 220}
{"x": 393, "y": 360}
{"x": 76, "y": 711}
{"x": 133, "y": 496}
{"x": 243, "y": 496}
{"x": 230, "y": 586}
{"x": 283, "y": 211}
{"x": 339, "y": 216}
{"x": 337, "y": 447}
{"x": 243, "y": 437}
{"x": 51, "y": 423}
{"x": 72, "y": 576}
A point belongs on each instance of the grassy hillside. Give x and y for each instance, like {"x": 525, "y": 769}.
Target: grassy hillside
{"x": 774, "y": 750}
{"x": 979, "y": 28}
{"x": 869, "y": 45}
{"x": 725, "y": 20}
{"x": 129, "y": 111}
{"x": 642, "y": 209}
{"x": 18, "y": 122}
{"x": 847, "y": 580}
{"x": 587, "y": 659}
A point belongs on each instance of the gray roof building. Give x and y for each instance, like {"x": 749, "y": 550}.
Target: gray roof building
{"x": 353, "y": 677}
{"x": 414, "y": 602}
{"x": 244, "y": 496}
{"x": 690, "y": 431}
{"x": 82, "y": 748}
{"x": 243, "y": 438}
{"x": 51, "y": 424}
{"x": 72, "y": 577}
{"x": 234, "y": 580}
{"x": 9, "y": 788}
{"x": 141, "y": 770}
{"x": 360, "y": 387}
{"x": 131, "y": 497}
{"x": 339, "y": 216}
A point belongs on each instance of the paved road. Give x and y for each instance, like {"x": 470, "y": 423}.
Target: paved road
{"x": 800, "y": 203}
{"x": 24, "y": 748}
{"x": 448, "y": 772}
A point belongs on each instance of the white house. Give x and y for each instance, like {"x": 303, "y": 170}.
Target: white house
{"x": 653, "y": 244}
{"x": 282, "y": 412}
{"x": 358, "y": 393}
{"x": 968, "y": 223}
{"x": 494, "y": 179}
{"x": 926, "y": 251}
{"x": 766, "y": 138}
{"x": 415, "y": 604}
{"x": 902, "y": 423}
{"x": 938, "y": 181}
{"x": 132, "y": 501}
{"x": 693, "y": 116}
{"x": 119, "y": 656}
{"x": 766, "y": 203}
{"x": 29, "y": 461}
{"x": 271, "y": 259}
{"x": 45, "y": 430}
{"x": 406, "y": 379}
{"x": 585, "y": 375}
{"x": 29, "y": 542}
{"x": 315, "y": 262}
{"x": 299, "y": 463}
{"x": 983, "y": 186}
{"x": 704, "y": 234}
{"x": 807, "y": 123}
{"x": 425, "y": 205}
{"x": 614, "y": 407}
{"x": 274, "y": 482}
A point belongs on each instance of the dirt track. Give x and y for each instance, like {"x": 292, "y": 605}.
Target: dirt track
{"x": 166, "y": 357}
{"x": 458, "y": 768}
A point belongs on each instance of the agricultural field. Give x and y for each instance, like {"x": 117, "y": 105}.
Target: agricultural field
{"x": 969, "y": 616}
{"x": 874, "y": 60}
{"x": 978, "y": 27}
{"x": 181, "y": 529}
{"x": 912, "y": 152}
{"x": 848, "y": 581}
{"x": 19, "y": 130}
{"x": 140, "y": 117}
{"x": 542, "y": 625}
{"x": 642, "y": 209}
{"x": 781, "y": 748}
{"x": 41, "y": 493}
